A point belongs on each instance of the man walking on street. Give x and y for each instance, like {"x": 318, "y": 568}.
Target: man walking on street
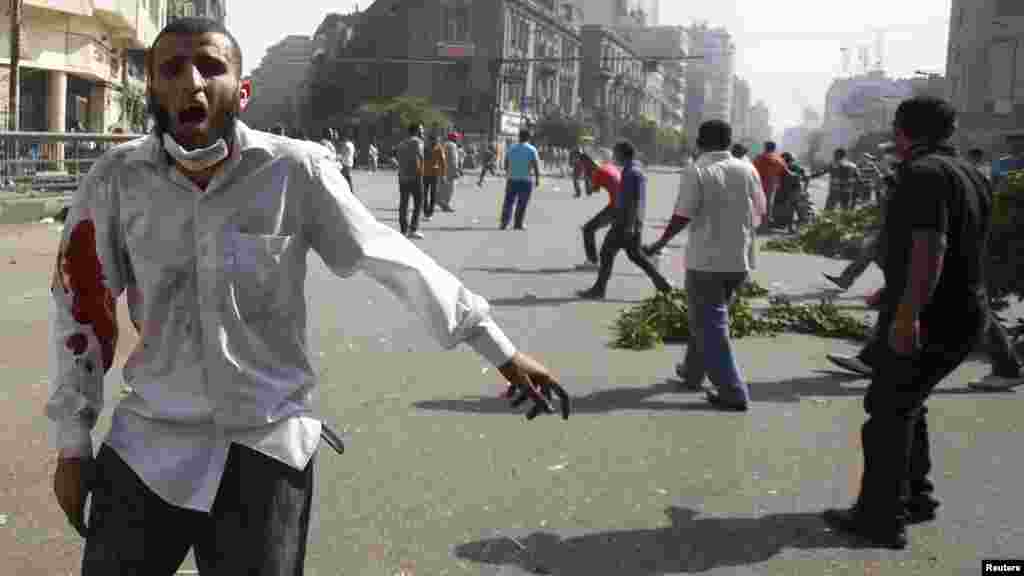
{"x": 627, "y": 227}
{"x": 606, "y": 176}
{"x": 453, "y": 169}
{"x": 347, "y": 158}
{"x": 718, "y": 196}
{"x": 434, "y": 172}
{"x": 936, "y": 307}
{"x": 213, "y": 448}
{"x": 520, "y": 160}
{"x": 843, "y": 177}
{"x": 374, "y": 154}
{"x": 771, "y": 168}
{"x": 410, "y": 181}
{"x": 489, "y": 164}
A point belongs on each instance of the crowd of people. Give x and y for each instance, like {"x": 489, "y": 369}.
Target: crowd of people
{"x": 212, "y": 448}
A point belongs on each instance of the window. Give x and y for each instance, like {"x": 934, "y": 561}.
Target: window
{"x": 1001, "y": 66}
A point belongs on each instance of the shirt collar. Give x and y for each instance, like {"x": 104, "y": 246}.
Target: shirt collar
{"x": 926, "y": 148}
{"x": 247, "y": 141}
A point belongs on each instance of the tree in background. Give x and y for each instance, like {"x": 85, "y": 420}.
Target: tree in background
{"x": 132, "y": 101}
{"x": 561, "y": 132}
{"x": 407, "y": 110}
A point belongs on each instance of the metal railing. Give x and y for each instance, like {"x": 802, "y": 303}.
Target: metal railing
{"x": 51, "y": 161}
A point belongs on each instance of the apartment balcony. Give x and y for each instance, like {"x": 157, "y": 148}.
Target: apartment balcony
{"x": 134, "y": 22}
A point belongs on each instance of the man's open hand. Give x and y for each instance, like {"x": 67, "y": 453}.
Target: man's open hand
{"x": 530, "y": 380}
{"x": 71, "y": 484}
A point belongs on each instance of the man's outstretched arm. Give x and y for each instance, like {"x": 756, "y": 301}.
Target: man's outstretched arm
{"x": 348, "y": 238}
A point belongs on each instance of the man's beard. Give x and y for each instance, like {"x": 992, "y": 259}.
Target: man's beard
{"x": 163, "y": 126}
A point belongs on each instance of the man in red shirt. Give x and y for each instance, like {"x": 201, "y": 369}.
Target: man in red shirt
{"x": 771, "y": 168}
{"x": 607, "y": 176}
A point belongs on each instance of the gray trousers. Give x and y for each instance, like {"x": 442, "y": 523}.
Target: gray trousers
{"x": 709, "y": 350}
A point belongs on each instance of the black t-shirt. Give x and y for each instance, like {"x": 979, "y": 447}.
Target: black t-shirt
{"x": 938, "y": 191}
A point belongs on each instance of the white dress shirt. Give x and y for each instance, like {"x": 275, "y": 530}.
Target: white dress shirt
{"x": 717, "y": 194}
{"x": 215, "y": 282}
{"x": 347, "y": 154}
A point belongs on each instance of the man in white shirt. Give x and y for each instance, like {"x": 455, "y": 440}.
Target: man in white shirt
{"x": 718, "y": 199}
{"x": 206, "y": 225}
{"x": 347, "y": 158}
{"x": 446, "y": 189}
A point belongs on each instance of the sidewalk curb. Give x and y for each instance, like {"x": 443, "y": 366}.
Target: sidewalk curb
{"x": 27, "y": 210}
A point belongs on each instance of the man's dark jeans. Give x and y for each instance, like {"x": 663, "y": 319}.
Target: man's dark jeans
{"x": 429, "y": 195}
{"x": 895, "y": 437}
{"x": 258, "y": 525}
{"x": 603, "y": 218}
{"x": 619, "y": 239}
{"x": 517, "y": 194}
{"x": 407, "y": 189}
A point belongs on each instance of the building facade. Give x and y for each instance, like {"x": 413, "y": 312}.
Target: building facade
{"x": 75, "y": 58}
{"x": 760, "y": 126}
{"x": 666, "y": 94}
{"x": 613, "y": 81}
{"x": 278, "y": 85}
{"x": 616, "y": 12}
{"x": 710, "y": 80}
{"x": 858, "y": 105}
{"x": 466, "y": 40}
{"x": 741, "y": 103}
{"x": 985, "y": 72}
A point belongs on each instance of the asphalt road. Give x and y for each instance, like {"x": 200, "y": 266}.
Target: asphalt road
{"x": 440, "y": 477}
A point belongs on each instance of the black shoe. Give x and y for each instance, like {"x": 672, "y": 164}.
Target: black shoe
{"x": 520, "y": 227}
{"x": 590, "y": 294}
{"x": 726, "y": 406}
{"x": 920, "y": 509}
{"x": 891, "y": 534}
{"x": 838, "y": 281}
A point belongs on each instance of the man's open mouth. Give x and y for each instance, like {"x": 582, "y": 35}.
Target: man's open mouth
{"x": 192, "y": 115}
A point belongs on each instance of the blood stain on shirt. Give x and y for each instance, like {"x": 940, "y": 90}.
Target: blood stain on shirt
{"x": 77, "y": 343}
{"x": 81, "y": 274}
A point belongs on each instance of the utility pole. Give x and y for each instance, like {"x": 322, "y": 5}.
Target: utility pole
{"x": 14, "y": 100}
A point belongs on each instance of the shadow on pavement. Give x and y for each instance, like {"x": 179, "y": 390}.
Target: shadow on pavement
{"x": 690, "y": 544}
{"x": 549, "y": 301}
{"x": 543, "y": 271}
{"x": 829, "y": 384}
{"x": 598, "y": 402}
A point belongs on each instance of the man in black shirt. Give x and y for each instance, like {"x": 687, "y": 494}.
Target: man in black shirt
{"x": 935, "y": 308}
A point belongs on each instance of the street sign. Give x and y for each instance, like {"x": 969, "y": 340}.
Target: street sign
{"x": 456, "y": 49}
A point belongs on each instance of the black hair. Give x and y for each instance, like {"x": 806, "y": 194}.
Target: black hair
{"x": 926, "y": 118}
{"x": 194, "y": 26}
{"x": 625, "y": 149}
{"x": 524, "y": 135}
{"x": 414, "y": 128}
{"x": 739, "y": 150}
{"x": 714, "y": 135}
{"x": 769, "y": 146}
{"x": 840, "y": 153}
{"x": 976, "y": 154}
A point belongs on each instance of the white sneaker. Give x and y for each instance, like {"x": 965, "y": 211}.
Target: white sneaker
{"x": 851, "y": 363}
{"x": 996, "y": 383}
{"x": 417, "y": 235}
{"x": 426, "y": 218}
{"x": 588, "y": 266}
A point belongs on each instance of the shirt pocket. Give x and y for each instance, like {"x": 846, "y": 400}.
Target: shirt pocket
{"x": 259, "y": 268}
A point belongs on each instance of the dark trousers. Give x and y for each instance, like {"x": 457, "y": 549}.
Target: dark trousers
{"x": 347, "y": 173}
{"x": 258, "y": 525}
{"x": 517, "y": 194}
{"x": 429, "y": 194}
{"x": 491, "y": 168}
{"x": 897, "y": 460}
{"x": 842, "y": 198}
{"x": 600, "y": 220}
{"x": 619, "y": 239}
{"x": 409, "y": 189}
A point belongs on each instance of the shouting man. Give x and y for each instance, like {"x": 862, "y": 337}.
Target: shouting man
{"x": 206, "y": 225}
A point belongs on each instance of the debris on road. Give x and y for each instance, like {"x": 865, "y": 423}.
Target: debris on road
{"x": 557, "y": 467}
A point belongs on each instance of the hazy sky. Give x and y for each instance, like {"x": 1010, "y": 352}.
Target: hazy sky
{"x": 789, "y": 50}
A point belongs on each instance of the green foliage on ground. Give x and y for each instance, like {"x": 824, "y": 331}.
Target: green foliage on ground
{"x": 664, "y": 318}
{"x": 834, "y": 233}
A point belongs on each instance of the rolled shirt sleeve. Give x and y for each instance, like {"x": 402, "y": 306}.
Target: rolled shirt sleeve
{"x": 348, "y": 238}
{"x": 89, "y": 276}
